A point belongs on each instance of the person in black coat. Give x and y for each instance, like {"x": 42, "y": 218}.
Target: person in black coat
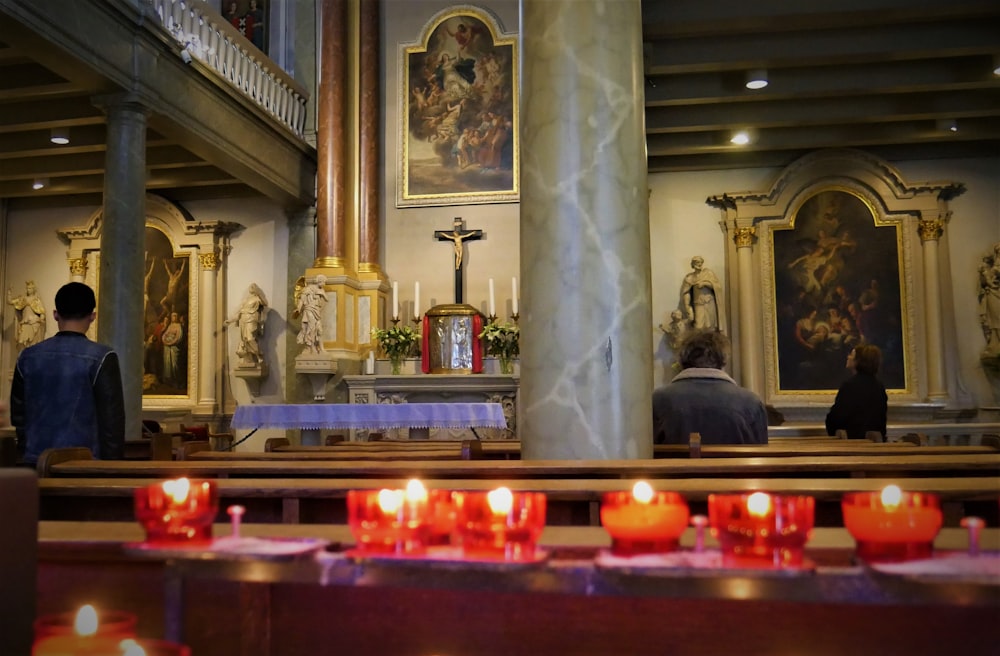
{"x": 861, "y": 404}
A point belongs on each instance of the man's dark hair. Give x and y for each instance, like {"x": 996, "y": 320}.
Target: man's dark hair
{"x": 705, "y": 349}
{"x": 75, "y": 300}
{"x": 867, "y": 358}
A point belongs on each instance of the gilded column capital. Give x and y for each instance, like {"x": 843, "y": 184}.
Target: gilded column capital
{"x": 78, "y": 267}
{"x": 209, "y": 261}
{"x": 930, "y": 229}
{"x": 745, "y": 237}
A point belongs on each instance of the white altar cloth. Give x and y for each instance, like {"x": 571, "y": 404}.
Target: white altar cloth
{"x": 380, "y": 416}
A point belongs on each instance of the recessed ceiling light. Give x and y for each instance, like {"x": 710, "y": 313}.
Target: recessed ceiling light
{"x": 59, "y": 136}
{"x": 757, "y": 79}
{"x": 996, "y": 64}
{"x": 40, "y": 183}
{"x": 947, "y": 125}
{"x": 740, "y": 138}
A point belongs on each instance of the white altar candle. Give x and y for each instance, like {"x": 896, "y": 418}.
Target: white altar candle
{"x": 416, "y": 300}
{"x": 513, "y": 298}
{"x": 395, "y": 300}
{"x": 370, "y": 364}
{"x": 493, "y": 309}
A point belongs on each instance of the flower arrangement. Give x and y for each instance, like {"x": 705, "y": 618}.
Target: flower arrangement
{"x": 502, "y": 340}
{"x": 396, "y": 342}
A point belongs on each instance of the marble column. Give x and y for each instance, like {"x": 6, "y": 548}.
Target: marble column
{"x": 123, "y": 247}
{"x": 208, "y": 333}
{"x": 586, "y": 356}
{"x": 330, "y": 144}
{"x": 930, "y": 231}
{"x": 751, "y": 366}
{"x": 369, "y": 115}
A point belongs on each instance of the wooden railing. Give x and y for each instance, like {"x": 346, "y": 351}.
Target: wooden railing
{"x": 206, "y": 36}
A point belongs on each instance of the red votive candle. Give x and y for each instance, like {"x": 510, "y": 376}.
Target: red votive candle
{"x": 892, "y": 525}
{"x": 758, "y": 528}
{"x": 106, "y": 646}
{"x": 500, "y": 523}
{"x": 390, "y": 521}
{"x": 84, "y": 632}
{"x": 643, "y": 521}
{"x": 179, "y": 510}
{"x": 441, "y": 513}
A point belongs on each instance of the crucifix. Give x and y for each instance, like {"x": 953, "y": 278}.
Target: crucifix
{"x": 458, "y": 236}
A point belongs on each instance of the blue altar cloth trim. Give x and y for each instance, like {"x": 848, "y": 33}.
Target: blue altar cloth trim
{"x": 375, "y": 416}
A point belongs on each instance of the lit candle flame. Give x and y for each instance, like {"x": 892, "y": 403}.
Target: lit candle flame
{"x": 415, "y": 490}
{"x": 642, "y": 492}
{"x": 501, "y": 500}
{"x": 130, "y": 647}
{"x": 86, "y": 621}
{"x": 891, "y": 497}
{"x": 390, "y": 500}
{"x": 177, "y": 490}
{"x": 759, "y": 504}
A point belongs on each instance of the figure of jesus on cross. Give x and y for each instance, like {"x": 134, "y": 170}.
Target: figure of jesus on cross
{"x": 458, "y": 236}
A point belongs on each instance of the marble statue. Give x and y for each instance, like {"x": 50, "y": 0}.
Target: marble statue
{"x": 30, "y": 315}
{"x": 676, "y": 330}
{"x": 309, "y": 305}
{"x": 250, "y": 320}
{"x": 701, "y": 292}
{"x": 989, "y": 301}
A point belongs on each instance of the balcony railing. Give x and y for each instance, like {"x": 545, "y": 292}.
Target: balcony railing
{"x": 209, "y": 38}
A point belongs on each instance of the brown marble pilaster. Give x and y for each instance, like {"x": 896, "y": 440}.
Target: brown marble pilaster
{"x": 330, "y": 145}
{"x": 369, "y": 116}
{"x": 123, "y": 237}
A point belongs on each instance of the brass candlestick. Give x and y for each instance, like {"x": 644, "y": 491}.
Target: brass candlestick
{"x": 515, "y": 316}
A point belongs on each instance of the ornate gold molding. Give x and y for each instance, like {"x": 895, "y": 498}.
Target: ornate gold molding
{"x": 329, "y": 262}
{"x": 930, "y": 229}
{"x": 209, "y": 261}
{"x": 78, "y": 267}
{"x": 745, "y": 237}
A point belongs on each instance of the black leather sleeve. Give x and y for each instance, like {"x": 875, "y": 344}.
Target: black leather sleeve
{"x": 110, "y": 402}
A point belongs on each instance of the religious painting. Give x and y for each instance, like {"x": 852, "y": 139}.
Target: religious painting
{"x": 837, "y": 284}
{"x": 166, "y": 296}
{"x": 249, "y": 17}
{"x": 458, "y": 113}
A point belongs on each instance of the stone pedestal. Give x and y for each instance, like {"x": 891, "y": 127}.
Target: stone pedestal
{"x": 318, "y": 368}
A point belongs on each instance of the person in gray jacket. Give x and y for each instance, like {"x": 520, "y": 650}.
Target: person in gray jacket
{"x": 703, "y": 399}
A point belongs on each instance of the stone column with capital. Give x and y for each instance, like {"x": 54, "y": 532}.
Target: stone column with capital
{"x": 930, "y": 231}
{"x": 208, "y": 331}
{"x": 586, "y": 322}
{"x": 751, "y": 345}
{"x": 330, "y": 145}
{"x": 123, "y": 239}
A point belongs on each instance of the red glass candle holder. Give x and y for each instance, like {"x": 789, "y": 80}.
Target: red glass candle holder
{"x": 386, "y": 521}
{"x": 109, "y": 623}
{"x": 442, "y": 512}
{"x": 500, "y": 523}
{"x": 64, "y": 645}
{"x": 757, "y": 528}
{"x": 178, "y": 510}
{"x": 887, "y": 531}
{"x": 643, "y": 524}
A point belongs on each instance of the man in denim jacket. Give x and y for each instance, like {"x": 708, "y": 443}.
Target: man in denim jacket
{"x": 67, "y": 390}
{"x": 704, "y": 399}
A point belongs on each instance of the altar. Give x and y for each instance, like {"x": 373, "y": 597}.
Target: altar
{"x": 439, "y": 389}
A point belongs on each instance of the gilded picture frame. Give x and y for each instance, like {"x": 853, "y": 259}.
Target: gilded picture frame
{"x": 837, "y": 281}
{"x": 458, "y": 116}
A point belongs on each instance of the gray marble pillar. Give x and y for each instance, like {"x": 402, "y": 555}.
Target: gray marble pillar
{"x": 123, "y": 236}
{"x": 586, "y": 343}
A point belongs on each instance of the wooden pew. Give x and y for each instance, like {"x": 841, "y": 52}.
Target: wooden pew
{"x": 457, "y": 451}
{"x": 571, "y": 501}
{"x": 874, "y": 465}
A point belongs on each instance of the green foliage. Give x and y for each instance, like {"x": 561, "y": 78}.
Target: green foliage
{"x": 396, "y": 342}
{"x": 502, "y": 340}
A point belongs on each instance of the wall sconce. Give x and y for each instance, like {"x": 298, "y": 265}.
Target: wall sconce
{"x": 40, "y": 183}
{"x": 757, "y": 79}
{"x": 947, "y": 125}
{"x": 59, "y": 136}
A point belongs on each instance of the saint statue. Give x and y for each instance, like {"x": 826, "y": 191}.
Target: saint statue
{"x": 701, "y": 292}
{"x": 30, "y": 316}
{"x": 250, "y": 320}
{"x": 989, "y": 300}
{"x": 309, "y": 305}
